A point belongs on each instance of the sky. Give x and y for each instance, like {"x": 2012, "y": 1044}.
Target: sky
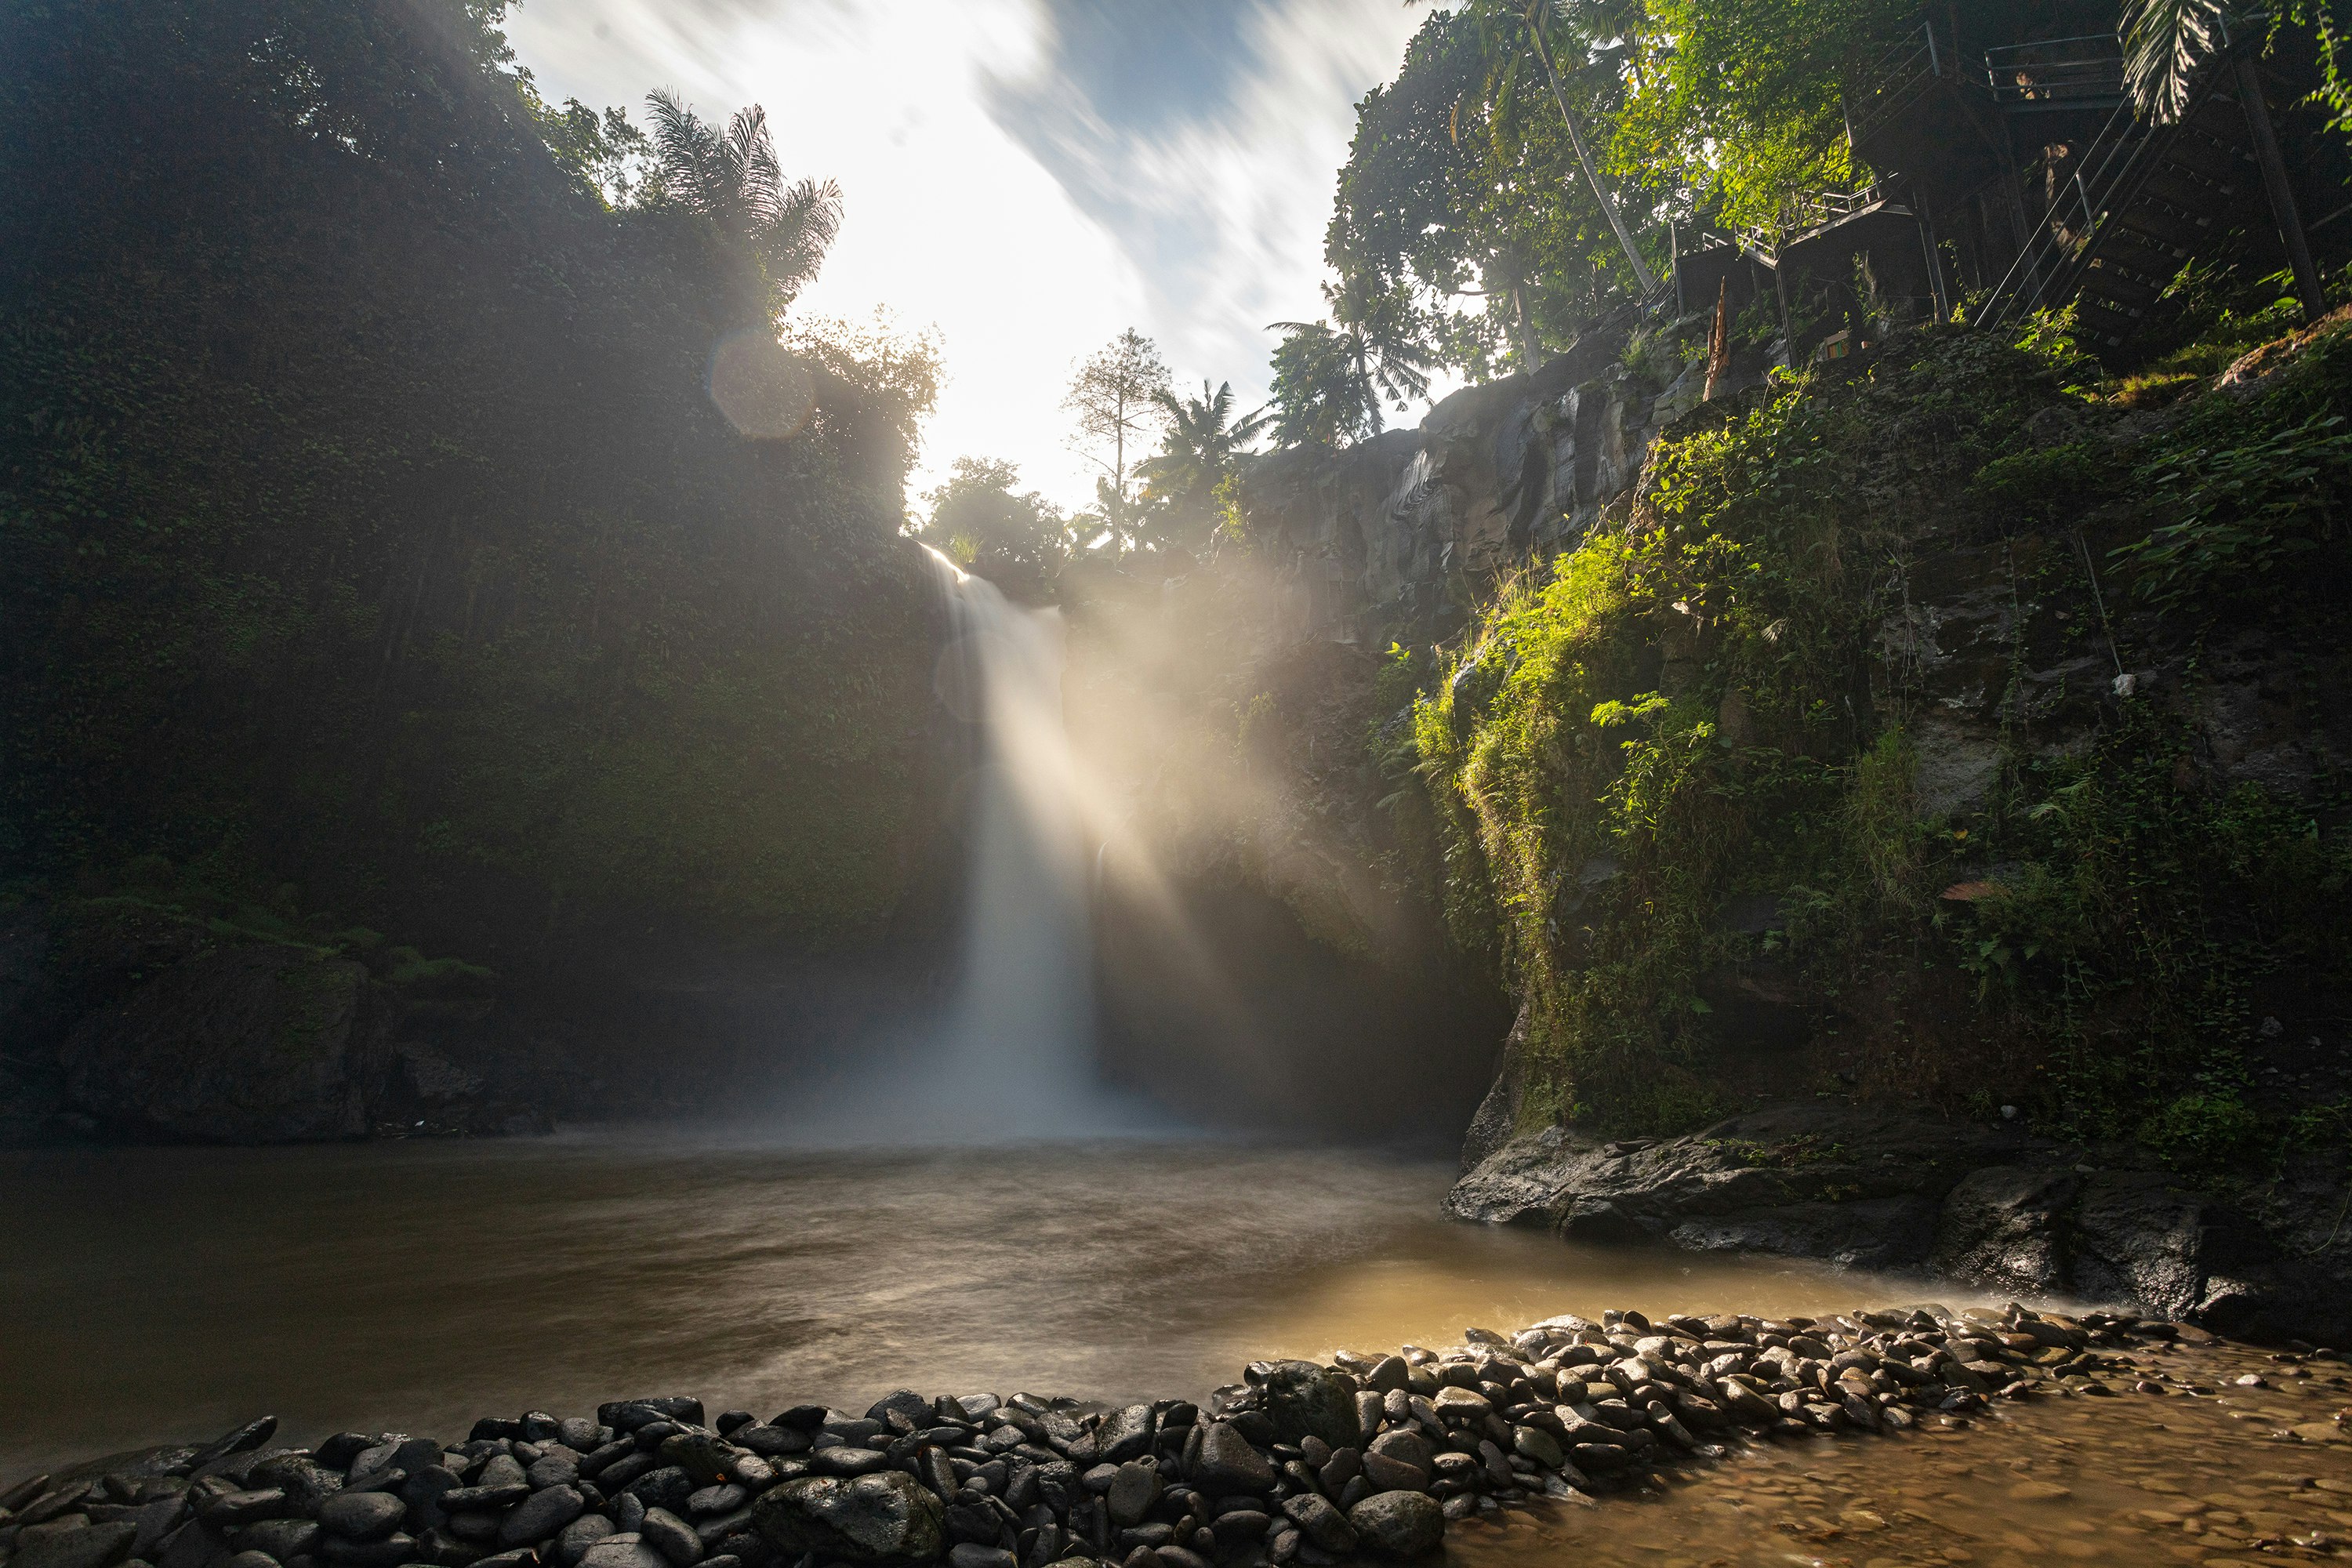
{"x": 1028, "y": 176}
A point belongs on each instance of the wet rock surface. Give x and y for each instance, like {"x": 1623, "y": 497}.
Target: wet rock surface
{"x": 1890, "y": 1190}
{"x": 254, "y": 1045}
{"x": 1369, "y": 1457}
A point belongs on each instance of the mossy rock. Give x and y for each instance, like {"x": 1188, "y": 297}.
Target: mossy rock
{"x": 265, "y": 1044}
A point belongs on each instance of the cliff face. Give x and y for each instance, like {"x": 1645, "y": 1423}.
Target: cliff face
{"x": 1929, "y": 745}
{"x": 1401, "y": 536}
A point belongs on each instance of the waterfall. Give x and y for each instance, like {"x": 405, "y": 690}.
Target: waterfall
{"x": 1018, "y": 1045}
{"x": 1011, "y": 1056}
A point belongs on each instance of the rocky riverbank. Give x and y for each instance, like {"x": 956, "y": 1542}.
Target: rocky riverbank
{"x": 1367, "y": 1457}
{"x": 1988, "y": 1204}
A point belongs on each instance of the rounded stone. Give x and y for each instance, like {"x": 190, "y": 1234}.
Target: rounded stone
{"x": 623, "y": 1551}
{"x": 1398, "y": 1524}
{"x": 1406, "y": 1446}
{"x": 361, "y": 1516}
{"x": 1534, "y": 1443}
{"x": 671, "y": 1536}
{"x": 1134, "y": 1488}
{"x": 879, "y": 1517}
{"x": 541, "y": 1515}
{"x": 571, "y": 1543}
{"x": 61, "y": 1545}
{"x": 1304, "y": 1400}
{"x": 1324, "y": 1525}
{"x": 1386, "y": 1474}
{"x": 1227, "y": 1464}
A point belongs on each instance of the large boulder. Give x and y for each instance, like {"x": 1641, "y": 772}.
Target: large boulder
{"x": 886, "y": 1516}
{"x": 1985, "y": 1205}
{"x": 2002, "y": 1225}
{"x": 1398, "y": 1524}
{"x": 1225, "y": 1465}
{"x": 1303, "y": 1400}
{"x": 1858, "y": 1186}
{"x": 267, "y": 1044}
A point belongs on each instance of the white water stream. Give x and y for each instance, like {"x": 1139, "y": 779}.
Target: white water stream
{"x": 1011, "y": 1058}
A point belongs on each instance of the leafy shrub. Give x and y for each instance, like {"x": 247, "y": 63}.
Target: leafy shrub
{"x": 2205, "y": 1133}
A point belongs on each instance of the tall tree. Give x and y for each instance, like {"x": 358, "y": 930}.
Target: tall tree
{"x": 981, "y": 519}
{"x": 1321, "y": 395}
{"x": 1114, "y": 396}
{"x": 1329, "y": 381}
{"x": 1202, "y": 440}
{"x": 1740, "y": 103}
{"x": 731, "y": 177}
{"x": 1462, "y": 196}
{"x": 1516, "y": 24}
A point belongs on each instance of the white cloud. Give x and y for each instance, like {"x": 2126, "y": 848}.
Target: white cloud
{"x": 954, "y": 221}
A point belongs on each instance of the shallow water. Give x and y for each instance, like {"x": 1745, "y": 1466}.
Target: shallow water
{"x": 2129, "y": 1480}
{"x": 163, "y": 1294}
{"x": 148, "y": 1295}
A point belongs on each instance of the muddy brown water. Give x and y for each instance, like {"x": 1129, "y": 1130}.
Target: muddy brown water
{"x": 152, "y": 1295}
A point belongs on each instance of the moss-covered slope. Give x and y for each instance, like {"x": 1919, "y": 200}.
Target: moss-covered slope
{"x": 1937, "y": 728}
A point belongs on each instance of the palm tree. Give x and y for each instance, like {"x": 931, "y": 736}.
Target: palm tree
{"x": 1204, "y": 438}
{"x": 1329, "y": 380}
{"x": 732, "y": 178}
{"x": 1321, "y": 392}
{"x": 2164, "y": 41}
{"x": 1499, "y": 16}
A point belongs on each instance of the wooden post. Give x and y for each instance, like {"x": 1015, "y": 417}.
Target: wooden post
{"x": 1718, "y": 342}
{"x": 2281, "y": 193}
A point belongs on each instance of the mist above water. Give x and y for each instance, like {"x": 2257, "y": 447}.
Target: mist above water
{"x": 1011, "y": 1056}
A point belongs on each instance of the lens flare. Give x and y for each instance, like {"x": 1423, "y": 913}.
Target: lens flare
{"x": 764, "y": 391}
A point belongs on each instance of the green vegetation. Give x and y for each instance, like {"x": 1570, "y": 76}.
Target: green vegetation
{"x": 1174, "y": 504}
{"x": 1204, "y": 441}
{"x": 1468, "y": 232}
{"x": 1679, "y": 766}
{"x": 365, "y": 524}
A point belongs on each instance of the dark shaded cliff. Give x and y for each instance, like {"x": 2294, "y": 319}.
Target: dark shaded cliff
{"x": 381, "y": 583}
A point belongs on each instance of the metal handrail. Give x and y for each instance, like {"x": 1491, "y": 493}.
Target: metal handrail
{"x": 1896, "y": 79}
{"x": 2114, "y": 171}
{"x": 2041, "y": 264}
{"x": 2055, "y": 69}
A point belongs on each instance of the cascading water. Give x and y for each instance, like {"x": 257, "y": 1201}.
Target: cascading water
{"x": 1011, "y": 1058}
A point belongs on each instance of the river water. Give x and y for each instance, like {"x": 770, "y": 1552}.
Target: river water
{"x": 148, "y": 1294}
{"x": 165, "y": 1294}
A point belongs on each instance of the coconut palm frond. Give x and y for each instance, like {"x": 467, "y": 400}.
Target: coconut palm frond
{"x": 758, "y": 179}
{"x": 734, "y": 178}
{"x": 681, "y": 146}
{"x": 807, "y": 218}
{"x": 2164, "y": 41}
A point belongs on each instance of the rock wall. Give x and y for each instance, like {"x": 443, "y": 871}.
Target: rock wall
{"x": 1998, "y": 648}
{"x": 1397, "y": 536}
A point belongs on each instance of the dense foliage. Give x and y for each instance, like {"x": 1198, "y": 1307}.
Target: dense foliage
{"x": 365, "y": 524}
{"x": 1704, "y": 712}
{"x": 1465, "y": 232}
